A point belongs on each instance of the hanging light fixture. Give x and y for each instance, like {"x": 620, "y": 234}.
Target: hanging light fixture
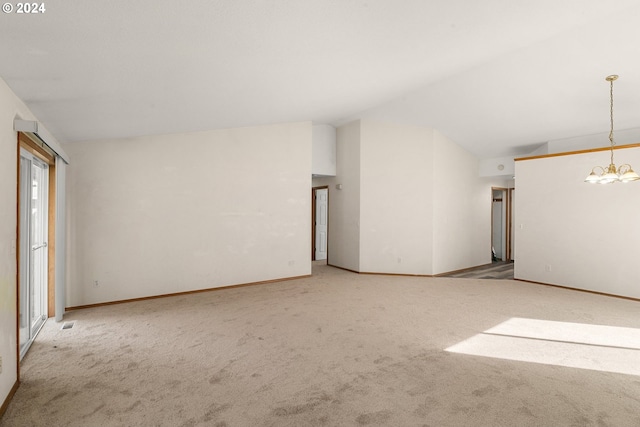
{"x": 611, "y": 174}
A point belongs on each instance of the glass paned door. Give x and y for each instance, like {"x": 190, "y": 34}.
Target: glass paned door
{"x": 34, "y": 189}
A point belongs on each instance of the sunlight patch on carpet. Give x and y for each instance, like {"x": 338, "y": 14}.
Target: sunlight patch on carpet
{"x": 573, "y": 345}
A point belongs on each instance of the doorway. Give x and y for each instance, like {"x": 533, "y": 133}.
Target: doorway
{"x": 500, "y": 224}
{"x": 34, "y": 203}
{"x": 36, "y": 240}
{"x": 319, "y": 223}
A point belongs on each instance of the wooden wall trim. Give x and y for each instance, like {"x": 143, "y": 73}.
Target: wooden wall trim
{"x": 8, "y": 399}
{"x": 395, "y": 274}
{"x": 197, "y": 291}
{"x": 462, "y": 270}
{"x": 571, "y": 153}
{"x": 372, "y": 273}
{"x": 51, "y": 244}
{"x": 35, "y": 149}
{"x": 579, "y": 290}
{"x": 343, "y": 268}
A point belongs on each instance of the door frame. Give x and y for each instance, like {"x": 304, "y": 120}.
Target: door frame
{"x": 43, "y": 154}
{"x": 510, "y": 231}
{"x": 313, "y": 220}
{"x": 506, "y": 225}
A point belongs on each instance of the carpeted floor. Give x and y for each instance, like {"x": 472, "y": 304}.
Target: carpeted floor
{"x": 339, "y": 349}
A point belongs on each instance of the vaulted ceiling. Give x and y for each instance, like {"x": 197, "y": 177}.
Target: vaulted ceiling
{"x": 497, "y": 76}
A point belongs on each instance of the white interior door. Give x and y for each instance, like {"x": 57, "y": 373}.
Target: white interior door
{"x": 34, "y": 203}
{"x": 322, "y": 205}
{"x": 499, "y": 221}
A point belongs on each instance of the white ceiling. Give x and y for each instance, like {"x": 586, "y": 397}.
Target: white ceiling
{"x": 496, "y": 76}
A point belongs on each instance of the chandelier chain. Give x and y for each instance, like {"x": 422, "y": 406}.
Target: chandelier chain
{"x": 611, "y": 116}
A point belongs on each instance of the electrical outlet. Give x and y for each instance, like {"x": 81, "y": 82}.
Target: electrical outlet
{"x": 547, "y": 267}
{"x": 0, "y": 364}
{"x": 95, "y": 283}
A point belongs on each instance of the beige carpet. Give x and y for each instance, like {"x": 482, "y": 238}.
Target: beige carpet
{"x": 337, "y": 349}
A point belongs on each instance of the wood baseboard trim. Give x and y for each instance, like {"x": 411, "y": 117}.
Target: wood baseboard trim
{"x": 6, "y": 402}
{"x": 197, "y": 291}
{"x": 395, "y": 274}
{"x": 604, "y": 294}
{"x": 462, "y": 270}
{"x": 380, "y": 274}
{"x": 343, "y": 268}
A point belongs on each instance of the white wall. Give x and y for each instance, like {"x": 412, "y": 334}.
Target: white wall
{"x": 171, "y": 213}
{"x": 462, "y": 209}
{"x": 321, "y": 181}
{"x": 396, "y": 198}
{"x": 499, "y": 166}
{"x": 344, "y": 204}
{"x": 575, "y": 234}
{"x": 10, "y": 107}
{"x": 323, "y": 150}
{"x": 412, "y": 202}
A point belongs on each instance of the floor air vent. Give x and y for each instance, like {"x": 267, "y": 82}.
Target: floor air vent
{"x": 68, "y": 325}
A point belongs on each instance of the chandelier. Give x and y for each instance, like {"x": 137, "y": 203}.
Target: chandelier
{"x": 611, "y": 174}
